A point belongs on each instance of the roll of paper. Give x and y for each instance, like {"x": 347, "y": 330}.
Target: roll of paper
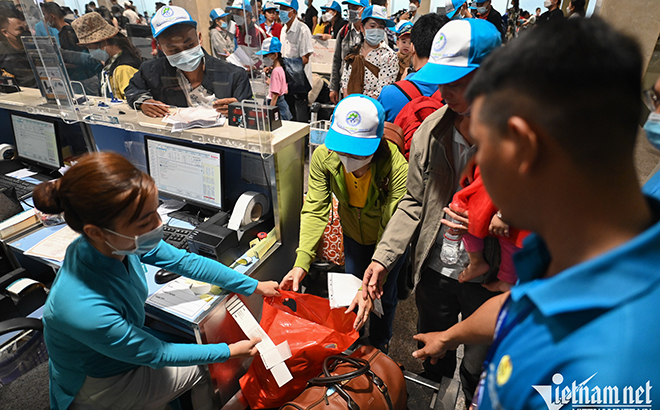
{"x": 250, "y": 207}
{"x": 7, "y": 151}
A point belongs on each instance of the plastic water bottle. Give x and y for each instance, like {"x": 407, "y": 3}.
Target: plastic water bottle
{"x": 450, "y": 245}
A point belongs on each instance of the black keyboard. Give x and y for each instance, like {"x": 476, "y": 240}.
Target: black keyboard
{"x": 177, "y": 237}
{"x": 23, "y": 188}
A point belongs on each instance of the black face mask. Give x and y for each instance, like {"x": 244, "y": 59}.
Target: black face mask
{"x": 24, "y": 33}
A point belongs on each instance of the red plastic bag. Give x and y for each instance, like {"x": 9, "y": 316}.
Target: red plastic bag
{"x": 313, "y": 331}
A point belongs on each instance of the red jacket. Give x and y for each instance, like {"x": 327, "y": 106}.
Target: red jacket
{"x": 275, "y": 30}
{"x": 474, "y": 199}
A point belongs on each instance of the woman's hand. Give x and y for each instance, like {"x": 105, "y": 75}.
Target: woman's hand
{"x": 292, "y": 279}
{"x": 498, "y": 227}
{"x": 364, "y": 305}
{"x": 244, "y": 348}
{"x": 268, "y": 289}
{"x": 326, "y": 37}
{"x": 460, "y": 227}
{"x": 435, "y": 346}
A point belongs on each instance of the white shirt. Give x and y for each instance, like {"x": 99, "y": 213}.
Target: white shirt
{"x": 131, "y": 16}
{"x": 297, "y": 42}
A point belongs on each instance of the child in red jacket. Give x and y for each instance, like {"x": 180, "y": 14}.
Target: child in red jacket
{"x": 484, "y": 220}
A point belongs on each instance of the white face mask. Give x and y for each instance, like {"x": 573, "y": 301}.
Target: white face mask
{"x": 547, "y": 4}
{"x": 353, "y": 16}
{"x": 187, "y": 60}
{"x": 327, "y": 16}
{"x": 352, "y": 164}
{"x": 143, "y": 243}
{"x": 412, "y": 8}
{"x": 374, "y": 36}
{"x": 240, "y": 20}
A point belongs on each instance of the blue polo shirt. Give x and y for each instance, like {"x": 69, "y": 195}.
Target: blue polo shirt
{"x": 393, "y": 100}
{"x": 588, "y": 335}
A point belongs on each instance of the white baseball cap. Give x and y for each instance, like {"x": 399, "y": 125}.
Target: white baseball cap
{"x": 357, "y": 126}
{"x": 169, "y": 16}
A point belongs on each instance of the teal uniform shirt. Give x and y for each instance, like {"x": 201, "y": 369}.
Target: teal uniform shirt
{"x": 94, "y": 316}
{"x": 584, "y": 338}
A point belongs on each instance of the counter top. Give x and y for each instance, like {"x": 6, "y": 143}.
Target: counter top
{"x": 119, "y": 115}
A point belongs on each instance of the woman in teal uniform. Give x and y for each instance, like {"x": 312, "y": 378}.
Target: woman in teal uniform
{"x": 101, "y": 356}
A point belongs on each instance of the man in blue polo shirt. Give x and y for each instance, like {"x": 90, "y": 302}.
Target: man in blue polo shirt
{"x": 580, "y": 329}
{"x": 395, "y": 96}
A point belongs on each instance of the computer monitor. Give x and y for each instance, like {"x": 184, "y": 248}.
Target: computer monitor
{"x": 37, "y": 142}
{"x": 189, "y": 172}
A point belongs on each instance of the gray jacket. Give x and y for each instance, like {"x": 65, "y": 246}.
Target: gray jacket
{"x": 343, "y": 46}
{"x": 430, "y": 187}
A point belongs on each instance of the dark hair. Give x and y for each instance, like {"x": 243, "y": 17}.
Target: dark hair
{"x": 97, "y": 190}
{"x": 124, "y": 45}
{"x": 577, "y": 80}
{"x": 280, "y": 59}
{"x": 7, "y": 13}
{"x": 579, "y": 6}
{"x": 378, "y": 2}
{"x": 54, "y": 9}
{"x": 424, "y": 31}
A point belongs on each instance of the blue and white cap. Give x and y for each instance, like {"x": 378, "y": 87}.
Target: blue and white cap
{"x": 357, "y": 126}
{"x": 269, "y": 46}
{"x": 361, "y": 3}
{"x": 378, "y": 13}
{"x": 241, "y": 5}
{"x": 288, "y": 3}
{"x": 451, "y": 6}
{"x": 403, "y": 27}
{"x": 218, "y": 13}
{"x": 458, "y": 49}
{"x": 169, "y": 16}
{"x": 269, "y": 5}
{"x": 332, "y": 5}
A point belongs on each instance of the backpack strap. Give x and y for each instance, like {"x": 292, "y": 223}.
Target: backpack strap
{"x": 409, "y": 89}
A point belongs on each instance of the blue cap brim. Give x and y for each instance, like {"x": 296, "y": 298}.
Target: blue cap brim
{"x": 330, "y": 8}
{"x": 388, "y": 22}
{"x": 451, "y": 13}
{"x": 263, "y": 53}
{"x": 442, "y": 74}
{"x": 355, "y": 3}
{"x": 347, "y": 144}
{"x": 190, "y": 23}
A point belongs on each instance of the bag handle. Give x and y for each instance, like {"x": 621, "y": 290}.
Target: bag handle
{"x": 361, "y": 365}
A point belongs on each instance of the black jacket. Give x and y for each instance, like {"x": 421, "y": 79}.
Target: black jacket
{"x": 555, "y": 14}
{"x": 157, "y": 79}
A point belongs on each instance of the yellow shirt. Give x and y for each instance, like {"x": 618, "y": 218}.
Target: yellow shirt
{"x": 320, "y": 28}
{"x": 120, "y": 78}
{"x": 358, "y": 188}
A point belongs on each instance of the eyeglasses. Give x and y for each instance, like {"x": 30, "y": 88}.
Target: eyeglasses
{"x": 651, "y": 99}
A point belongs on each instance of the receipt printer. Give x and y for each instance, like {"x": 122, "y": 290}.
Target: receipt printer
{"x": 257, "y": 116}
{"x": 213, "y": 239}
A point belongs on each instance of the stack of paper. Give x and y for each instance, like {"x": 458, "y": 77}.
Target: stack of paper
{"x": 342, "y": 288}
{"x": 240, "y": 58}
{"x": 18, "y": 223}
{"x": 192, "y": 117}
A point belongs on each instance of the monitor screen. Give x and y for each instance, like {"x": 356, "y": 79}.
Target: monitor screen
{"x": 36, "y": 141}
{"x": 186, "y": 171}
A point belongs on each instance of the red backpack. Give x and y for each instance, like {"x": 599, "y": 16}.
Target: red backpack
{"x": 415, "y": 111}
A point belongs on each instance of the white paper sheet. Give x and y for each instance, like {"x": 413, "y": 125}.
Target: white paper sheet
{"x": 342, "y": 288}
{"x": 54, "y": 246}
{"x": 177, "y": 298}
{"x": 21, "y": 173}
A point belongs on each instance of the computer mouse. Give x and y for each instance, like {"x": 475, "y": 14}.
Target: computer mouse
{"x": 164, "y": 276}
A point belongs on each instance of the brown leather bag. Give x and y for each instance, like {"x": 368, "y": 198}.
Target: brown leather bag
{"x": 394, "y": 134}
{"x": 366, "y": 380}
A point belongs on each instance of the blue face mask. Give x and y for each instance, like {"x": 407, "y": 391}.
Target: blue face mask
{"x": 143, "y": 243}
{"x": 284, "y": 16}
{"x": 99, "y": 54}
{"x": 223, "y": 25}
{"x": 652, "y": 128}
{"x": 482, "y": 10}
{"x": 187, "y": 60}
{"x": 374, "y": 36}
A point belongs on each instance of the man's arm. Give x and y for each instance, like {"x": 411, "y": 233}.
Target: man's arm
{"x": 335, "y": 75}
{"x": 242, "y": 88}
{"x": 137, "y": 90}
{"x": 478, "y": 328}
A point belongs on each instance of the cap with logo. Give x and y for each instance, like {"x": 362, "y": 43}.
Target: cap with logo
{"x": 240, "y": 5}
{"x": 332, "y": 5}
{"x": 378, "y": 13}
{"x": 361, "y": 3}
{"x": 458, "y": 49}
{"x": 269, "y": 5}
{"x": 269, "y": 46}
{"x": 451, "y": 6}
{"x": 288, "y": 3}
{"x": 169, "y": 16}
{"x": 218, "y": 13}
{"x": 357, "y": 126}
{"x": 403, "y": 27}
